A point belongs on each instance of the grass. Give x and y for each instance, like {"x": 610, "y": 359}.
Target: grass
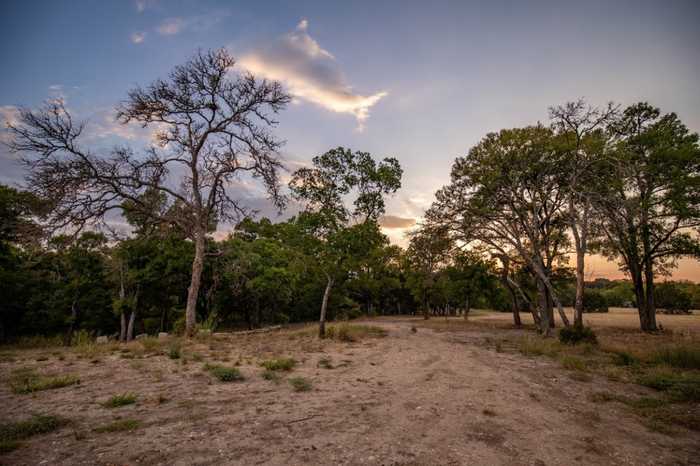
{"x": 573, "y": 363}
{"x": 120, "y": 400}
{"x": 325, "y": 362}
{"x": 150, "y": 344}
{"x": 680, "y": 356}
{"x": 538, "y": 346}
{"x": 12, "y": 432}
{"x": 680, "y": 386}
{"x": 223, "y": 373}
{"x": 300, "y": 384}
{"x": 26, "y": 380}
{"x": 121, "y": 425}
{"x": 280, "y": 364}
{"x": 174, "y": 350}
{"x": 354, "y": 332}
{"x": 271, "y": 375}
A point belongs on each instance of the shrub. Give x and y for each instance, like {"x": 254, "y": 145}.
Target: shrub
{"x": 37, "y": 424}
{"x": 120, "y": 400}
{"x": 594, "y": 301}
{"x": 174, "y": 350}
{"x": 281, "y": 364}
{"x": 300, "y": 384}
{"x": 25, "y": 381}
{"x": 325, "y": 362}
{"x": 577, "y": 334}
{"x": 122, "y": 425}
{"x": 623, "y": 358}
{"x": 271, "y": 375}
{"x": 223, "y": 373}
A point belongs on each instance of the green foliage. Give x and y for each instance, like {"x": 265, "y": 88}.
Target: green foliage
{"x": 175, "y": 350}
{"x": 573, "y": 363}
{"x": 682, "y": 356}
{"x": 37, "y": 424}
{"x": 680, "y": 386}
{"x": 23, "y": 381}
{"x": 121, "y": 425}
{"x": 223, "y": 373}
{"x": 118, "y": 401}
{"x": 594, "y": 301}
{"x": 281, "y": 364}
{"x": 300, "y": 384}
{"x": 577, "y": 334}
{"x": 271, "y": 375}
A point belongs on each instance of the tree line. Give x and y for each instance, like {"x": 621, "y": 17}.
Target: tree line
{"x": 620, "y": 182}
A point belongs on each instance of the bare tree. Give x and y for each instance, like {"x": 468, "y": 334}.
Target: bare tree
{"x": 581, "y": 128}
{"x": 212, "y": 127}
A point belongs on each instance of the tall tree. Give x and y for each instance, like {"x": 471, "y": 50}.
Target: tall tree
{"x": 650, "y": 200}
{"x": 212, "y": 127}
{"x": 580, "y": 129}
{"x": 342, "y": 234}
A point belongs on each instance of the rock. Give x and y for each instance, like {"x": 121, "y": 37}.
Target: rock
{"x": 102, "y": 340}
{"x": 204, "y": 332}
{"x": 163, "y": 335}
{"x": 141, "y": 336}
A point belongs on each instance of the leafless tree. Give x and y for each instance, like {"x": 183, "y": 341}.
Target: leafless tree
{"x": 212, "y": 126}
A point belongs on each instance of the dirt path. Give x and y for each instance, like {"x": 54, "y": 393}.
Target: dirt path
{"x": 424, "y": 398}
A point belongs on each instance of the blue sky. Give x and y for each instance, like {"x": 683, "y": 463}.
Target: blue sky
{"x": 422, "y": 81}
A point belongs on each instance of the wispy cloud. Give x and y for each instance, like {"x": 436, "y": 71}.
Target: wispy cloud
{"x": 394, "y": 221}
{"x": 138, "y": 37}
{"x": 170, "y": 26}
{"x": 311, "y": 72}
{"x": 142, "y": 5}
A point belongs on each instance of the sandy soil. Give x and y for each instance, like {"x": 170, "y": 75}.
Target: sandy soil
{"x": 423, "y": 398}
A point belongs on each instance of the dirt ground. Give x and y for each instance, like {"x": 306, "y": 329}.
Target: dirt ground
{"x": 410, "y": 398}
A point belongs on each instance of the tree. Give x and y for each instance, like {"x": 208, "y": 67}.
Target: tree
{"x": 505, "y": 196}
{"x": 323, "y": 188}
{"x": 650, "y": 200}
{"x": 212, "y": 127}
{"x": 580, "y": 129}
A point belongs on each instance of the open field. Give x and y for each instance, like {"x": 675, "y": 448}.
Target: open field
{"x": 442, "y": 391}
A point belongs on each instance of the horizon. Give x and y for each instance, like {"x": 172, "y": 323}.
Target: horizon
{"x": 424, "y": 86}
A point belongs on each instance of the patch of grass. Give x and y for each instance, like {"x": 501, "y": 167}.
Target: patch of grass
{"x": 150, "y": 344}
{"x": 174, "y": 350}
{"x": 680, "y": 356}
{"x": 39, "y": 341}
{"x": 25, "y": 380}
{"x": 300, "y": 384}
{"x": 577, "y": 334}
{"x": 679, "y": 386}
{"x": 6, "y": 446}
{"x": 37, "y": 424}
{"x": 223, "y": 373}
{"x": 325, "y": 362}
{"x": 538, "y": 346}
{"x": 121, "y": 425}
{"x": 354, "y": 332}
{"x": 573, "y": 363}
{"x": 280, "y": 364}
{"x": 623, "y": 358}
{"x": 120, "y": 400}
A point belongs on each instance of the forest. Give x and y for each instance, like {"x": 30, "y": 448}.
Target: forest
{"x": 620, "y": 182}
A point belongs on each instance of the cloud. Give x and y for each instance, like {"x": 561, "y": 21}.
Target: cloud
{"x": 138, "y": 37}
{"x": 311, "y": 72}
{"x": 170, "y": 26}
{"x": 142, "y": 5}
{"x": 393, "y": 221}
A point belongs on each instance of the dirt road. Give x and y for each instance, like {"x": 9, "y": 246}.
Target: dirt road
{"x": 423, "y": 398}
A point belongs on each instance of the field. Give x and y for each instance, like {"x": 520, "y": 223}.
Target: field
{"x": 384, "y": 391}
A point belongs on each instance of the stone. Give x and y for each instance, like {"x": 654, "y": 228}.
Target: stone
{"x": 162, "y": 335}
{"x": 102, "y": 340}
{"x": 204, "y": 332}
{"x": 141, "y": 336}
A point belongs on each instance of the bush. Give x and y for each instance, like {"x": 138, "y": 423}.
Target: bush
{"x": 281, "y": 364}
{"x": 594, "y": 301}
{"x": 671, "y": 298}
{"x": 174, "y": 351}
{"x": 37, "y": 424}
{"x": 223, "y": 373}
{"x": 577, "y": 334}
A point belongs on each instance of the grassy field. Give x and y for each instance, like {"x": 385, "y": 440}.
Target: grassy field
{"x": 388, "y": 390}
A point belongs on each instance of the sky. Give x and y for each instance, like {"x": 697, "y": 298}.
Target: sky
{"x": 420, "y": 81}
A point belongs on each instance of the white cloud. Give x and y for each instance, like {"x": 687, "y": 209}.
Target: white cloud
{"x": 170, "y": 26}
{"x": 9, "y": 115}
{"x": 142, "y": 5}
{"x": 138, "y": 37}
{"x": 311, "y": 72}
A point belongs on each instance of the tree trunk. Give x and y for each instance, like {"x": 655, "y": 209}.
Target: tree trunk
{"x": 122, "y": 327}
{"x": 130, "y": 328}
{"x": 122, "y": 297}
{"x": 650, "y": 306}
{"x": 544, "y": 315}
{"x": 324, "y": 307}
{"x": 67, "y": 339}
{"x": 193, "y": 291}
{"x": 580, "y": 285}
{"x": 539, "y": 270}
{"x": 467, "y": 307}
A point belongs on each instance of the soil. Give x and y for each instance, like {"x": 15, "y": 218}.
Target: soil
{"x": 410, "y": 398}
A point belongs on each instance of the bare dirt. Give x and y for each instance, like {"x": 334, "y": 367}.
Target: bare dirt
{"x": 411, "y": 398}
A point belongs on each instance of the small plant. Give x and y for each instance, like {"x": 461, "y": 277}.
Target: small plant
{"x": 174, "y": 351}
{"x": 577, "y": 334}
{"x": 300, "y": 384}
{"x": 120, "y": 400}
{"x": 680, "y": 387}
{"x": 25, "y": 381}
{"x": 122, "y": 425}
{"x": 681, "y": 356}
{"x": 271, "y": 375}
{"x": 623, "y": 358}
{"x": 223, "y": 373}
{"x": 325, "y": 362}
{"x": 281, "y": 364}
